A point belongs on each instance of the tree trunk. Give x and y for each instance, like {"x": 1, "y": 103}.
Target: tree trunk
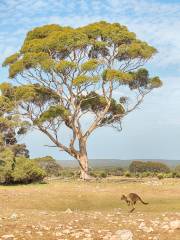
{"x": 83, "y": 161}
{"x": 84, "y": 167}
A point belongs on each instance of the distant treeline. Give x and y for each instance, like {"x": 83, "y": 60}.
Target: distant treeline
{"x": 135, "y": 169}
{"x": 106, "y": 163}
{"x": 23, "y": 170}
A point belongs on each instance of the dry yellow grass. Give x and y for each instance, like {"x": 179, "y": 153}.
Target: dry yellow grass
{"x": 91, "y": 203}
{"x": 78, "y": 195}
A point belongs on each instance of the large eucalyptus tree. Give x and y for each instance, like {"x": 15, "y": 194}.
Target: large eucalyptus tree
{"x": 64, "y": 74}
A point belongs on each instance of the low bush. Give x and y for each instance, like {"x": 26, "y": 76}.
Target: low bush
{"x": 116, "y": 171}
{"x": 127, "y": 174}
{"x": 24, "y": 171}
{"x": 153, "y": 167}
{"x": 169, "y": 175}
{"x": 175, "y": 174}
{"x": 160, "y": 175}
{"x": 145, "y": 174}
{"x": 103, "y": 174}
{"x": 49, "y": 165}
{"x": 177, "y": 169}
{"x": 67, "y": 173}
{"x": 178, "y": 175}
{"x": 93, "y": 174}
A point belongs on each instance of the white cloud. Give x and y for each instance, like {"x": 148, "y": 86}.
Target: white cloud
{"x": 156, "y": 22}
{"x": 153, "y": 21}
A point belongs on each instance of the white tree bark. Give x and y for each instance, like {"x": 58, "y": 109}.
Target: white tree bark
{"x": 83, "y": 159}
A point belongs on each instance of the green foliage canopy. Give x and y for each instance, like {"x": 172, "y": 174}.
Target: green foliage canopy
{"x": 49, "y": 165}
{"x": 67, "y": 73}
{"x": 25, "y": 170}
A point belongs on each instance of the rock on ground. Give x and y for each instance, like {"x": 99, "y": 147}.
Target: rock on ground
{"x": 8, "y": 237}
{"x": 175, "y": 224}
{"x": 144, "y": 228}
{"x": 68, "y": 211}
{"x": 122, "y": 235}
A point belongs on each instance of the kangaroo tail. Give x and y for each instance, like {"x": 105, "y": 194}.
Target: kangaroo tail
{"x": 143, "y": 201}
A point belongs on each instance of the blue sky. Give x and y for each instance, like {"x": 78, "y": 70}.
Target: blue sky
{"x": 152, "y": 131}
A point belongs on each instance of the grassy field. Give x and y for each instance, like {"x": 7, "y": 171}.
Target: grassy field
{"x": 38, "y": 211}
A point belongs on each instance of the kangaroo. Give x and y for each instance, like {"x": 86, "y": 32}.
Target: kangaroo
{"x": 131, "y": 199}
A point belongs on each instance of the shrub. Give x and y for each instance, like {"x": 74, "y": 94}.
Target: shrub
{"x": 145, "y": 174}
{"x": 49, "y": 165}
{"x": 117, "y": 171}
{"x": 67, "y": 173}
{"x": 153, "y": 167}
{"x": 177, "y": 169}
{"x": 103, "y": 174}
{"x": 169, "y": 175}
{"x": 160, "y": 175}
{"x": 25, "y": 171}
{"x": 93, "y": 174}
{"x": 127, "y": 174}
{"x": 175, "y": 174}
{"x": 178, "y": 175}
